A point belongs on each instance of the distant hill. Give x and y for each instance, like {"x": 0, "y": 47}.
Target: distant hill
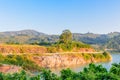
{"x": 91, "y": 38}
{"x": 113, "y": 34}
{"x": 22, "y": 32}
{"x": 32, "y": 36}
{"x": 26, "y": 36}
{"x": 114, "y": 43}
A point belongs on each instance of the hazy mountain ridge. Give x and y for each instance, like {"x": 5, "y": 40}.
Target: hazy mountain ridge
{"x": 91, "y": 38}
{"x": 22, "y": 32}
{"x": 25, "y": 36}
{"x": 114, "y": 43}
{"x": 32, "y": 36}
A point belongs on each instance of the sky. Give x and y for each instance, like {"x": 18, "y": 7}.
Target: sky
{"x": 54, "y": 16}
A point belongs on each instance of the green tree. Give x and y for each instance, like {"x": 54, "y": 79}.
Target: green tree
{"x": 48, "y": 75}
{"x": 66, "y": 36}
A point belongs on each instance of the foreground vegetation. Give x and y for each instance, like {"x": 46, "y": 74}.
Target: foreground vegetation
{"x": 93, "y": 72}
{"x": 25, "y": 61}
{"x": 69, "y": 47}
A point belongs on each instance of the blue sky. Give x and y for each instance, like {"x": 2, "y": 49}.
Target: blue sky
{"x": 53, "y": 16}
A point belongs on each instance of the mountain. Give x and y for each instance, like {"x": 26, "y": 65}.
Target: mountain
{"x": 32, "y": 36}
{"x": 114, "y": 43}
{"x": 25, "y": 36}
{"x": 22, "y": 32}
{"x": 91, "y": 38}
{"x": 113, "y": 34}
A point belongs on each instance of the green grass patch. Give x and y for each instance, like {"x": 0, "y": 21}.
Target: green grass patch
{"x": 25, "y": 61}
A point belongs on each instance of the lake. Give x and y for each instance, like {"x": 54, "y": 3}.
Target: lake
{"x": 78, "y": 68}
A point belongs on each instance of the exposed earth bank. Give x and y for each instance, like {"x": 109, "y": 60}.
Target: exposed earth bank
{"x": 69, "y": 59}
{"x": 9, "y": 68}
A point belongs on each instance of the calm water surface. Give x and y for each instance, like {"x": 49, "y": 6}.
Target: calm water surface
{"x": 77, "y": 68}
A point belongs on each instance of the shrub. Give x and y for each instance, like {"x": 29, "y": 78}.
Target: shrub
{"x": 21, "y": 60}
{"x": 51, "y": 49}
{"x": 67, "y": 46}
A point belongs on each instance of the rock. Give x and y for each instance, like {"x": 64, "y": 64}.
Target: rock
{"x": 66, "y": 60}
{"x": 58, "y": 60}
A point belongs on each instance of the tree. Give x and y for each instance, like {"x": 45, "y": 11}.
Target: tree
{"x": 66, "y": 36}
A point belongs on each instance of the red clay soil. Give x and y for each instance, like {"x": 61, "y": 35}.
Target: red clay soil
{"x": 84, "y": 50}
{"x": 9, "y": 69}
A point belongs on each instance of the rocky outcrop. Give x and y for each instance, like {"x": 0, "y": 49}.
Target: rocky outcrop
{"x": 64, "y": 60}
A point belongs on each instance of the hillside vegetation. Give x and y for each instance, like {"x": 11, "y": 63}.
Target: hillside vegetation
{"x": 114, "y": 43}
{"x": 34, "y": 37}
{"x": 99, "y": 41}
{"x": 20, "y": 49}
{"x": 24, "y": 60}
{"x": 66, "y": 44}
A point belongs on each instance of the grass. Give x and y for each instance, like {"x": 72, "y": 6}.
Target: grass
{"x": 25, "y": 61}
{"x": 71, "y": 47}
{"x": 22, "y": 49}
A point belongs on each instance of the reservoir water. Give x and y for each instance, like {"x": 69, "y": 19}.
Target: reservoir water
{"x": 78, "y": 68}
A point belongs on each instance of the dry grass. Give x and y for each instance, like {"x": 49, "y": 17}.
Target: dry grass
{"x": 22, "y": 49}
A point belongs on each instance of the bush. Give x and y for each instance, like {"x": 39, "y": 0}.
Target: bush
{"x": 21, "y": 60}
{"x": 115, "y": 69}
{"x": 66, "y": 46}
{"x": 48, "y": 75}
{"x": 51, "y": 49}
{"x": 86, "y": 56}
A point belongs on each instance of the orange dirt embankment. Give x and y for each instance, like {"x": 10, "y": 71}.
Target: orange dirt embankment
{"x": 22, "y": 49}
{"x": 69, "y": 59}
{"x": 84, "y": 50}
{"x": 34, "y": 49}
